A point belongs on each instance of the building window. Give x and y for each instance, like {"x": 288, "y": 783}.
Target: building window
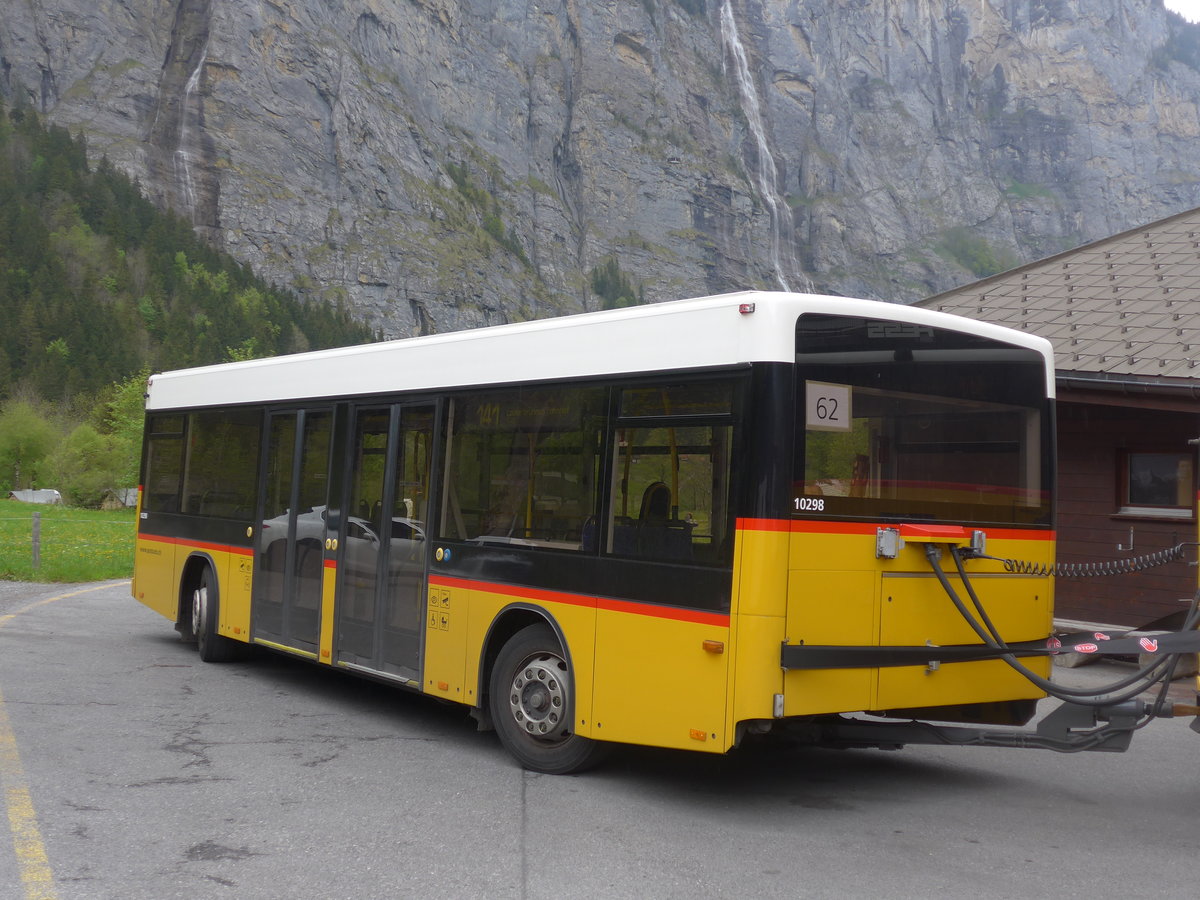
{"x": 1158, "y": 484}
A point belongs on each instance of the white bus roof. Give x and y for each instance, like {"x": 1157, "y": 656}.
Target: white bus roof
{"x": 706, "y": 332}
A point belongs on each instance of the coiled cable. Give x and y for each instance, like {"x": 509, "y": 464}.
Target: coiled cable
{"x": 1093, "y": 569}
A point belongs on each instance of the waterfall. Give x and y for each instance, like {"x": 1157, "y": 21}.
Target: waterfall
{"x": 183, "y": 155}
{"x": 767, "y": 177}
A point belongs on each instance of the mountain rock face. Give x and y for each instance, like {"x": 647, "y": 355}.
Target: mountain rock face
{"x": 439, "y": 164}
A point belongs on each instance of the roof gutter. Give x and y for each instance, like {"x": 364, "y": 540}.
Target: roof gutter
{"x": 1127, "y": 384}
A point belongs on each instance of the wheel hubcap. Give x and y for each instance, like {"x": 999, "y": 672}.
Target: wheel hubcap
{"x": 538, "y": 697}
{"x": 199, "y": 602}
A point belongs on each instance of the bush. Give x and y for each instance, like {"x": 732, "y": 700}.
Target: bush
{"x": 84, "y": 466}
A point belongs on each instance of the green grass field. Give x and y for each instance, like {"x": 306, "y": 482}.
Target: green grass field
{"x": 76, "y": 544}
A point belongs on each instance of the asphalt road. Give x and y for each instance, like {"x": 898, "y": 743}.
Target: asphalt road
{"x": 132, "y": 770}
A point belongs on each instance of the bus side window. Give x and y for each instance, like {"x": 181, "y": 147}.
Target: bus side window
{"x": 164, "y": 464}
{"x": 221, "y": 464}
{"x": 670, "y": 493}
{"x": 522, "y": 467}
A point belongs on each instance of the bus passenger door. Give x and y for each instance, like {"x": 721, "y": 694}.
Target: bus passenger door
{"x": 292, "y": 530}
{"x": 383, "y": 552}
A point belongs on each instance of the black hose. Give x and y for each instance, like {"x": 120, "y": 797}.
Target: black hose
{"x": 1145, "y": 677}
{"x": 1137, "y": 683}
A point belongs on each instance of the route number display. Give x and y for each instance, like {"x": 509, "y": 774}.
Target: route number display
{"x": 827, "y": 406}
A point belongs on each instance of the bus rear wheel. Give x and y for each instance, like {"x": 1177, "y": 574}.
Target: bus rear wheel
{"x": 213, "y": 647}
{"x": 530, "y": 701}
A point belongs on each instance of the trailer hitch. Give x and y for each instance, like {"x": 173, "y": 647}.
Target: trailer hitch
{"x": 1069, "y": 728}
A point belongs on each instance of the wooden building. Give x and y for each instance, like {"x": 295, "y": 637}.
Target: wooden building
{"x": 1123, "y": 314}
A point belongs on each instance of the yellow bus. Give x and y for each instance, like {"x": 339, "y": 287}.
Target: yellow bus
{"x": 675, "y": 525}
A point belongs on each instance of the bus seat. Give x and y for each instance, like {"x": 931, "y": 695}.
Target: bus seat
{"x": 624, "y": 536}
{"x": 656, "y": 504}
{"x": 658, "y": 535}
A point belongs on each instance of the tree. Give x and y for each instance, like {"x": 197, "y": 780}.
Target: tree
{"x": 613, "y": 286}
{"x": 26, "y": 437}
{"x": 123, "y": 418}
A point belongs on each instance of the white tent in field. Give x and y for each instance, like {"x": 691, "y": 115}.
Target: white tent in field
{"x": 42, "y": 495}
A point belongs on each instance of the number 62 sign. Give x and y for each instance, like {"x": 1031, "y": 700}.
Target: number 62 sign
{"x": 827, "y": 406}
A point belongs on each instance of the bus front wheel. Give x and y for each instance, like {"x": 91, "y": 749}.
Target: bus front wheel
{"x": 531, "y": 703}
{"x": 213, "y": 647}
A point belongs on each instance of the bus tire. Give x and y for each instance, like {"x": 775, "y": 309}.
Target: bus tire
{"x": 213, "y": 647}
{"x": 530, "y": 702}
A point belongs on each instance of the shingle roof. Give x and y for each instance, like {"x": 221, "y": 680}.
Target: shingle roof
{"x": 1127, "y": 305}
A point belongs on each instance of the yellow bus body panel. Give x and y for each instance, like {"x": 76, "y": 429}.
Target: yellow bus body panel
{"x": 662, "y": 681}
{"x": 656, "y": 683}
{"x": 760, "y": 571}
{"x": 155, "y": 581}
{"x": 841, "y": 594}
{"x": 235, "y": 593}
{"x": 757, "y": 627}
{"x": 158, "y": 571}
{"x": 916, "y": 610}
{"x": 447, "y": 612}
{"x": 831, "y": 607}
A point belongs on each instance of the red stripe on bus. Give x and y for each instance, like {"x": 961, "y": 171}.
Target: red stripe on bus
{"x": 197, "y": 545}
{"x": 763, "y": 525}
{"x": 818, "y": 526}
{"x": 699, "y": 616}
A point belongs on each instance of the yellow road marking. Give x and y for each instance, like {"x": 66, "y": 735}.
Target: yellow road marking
{"x": 36, "y": 874}
{"x": 5, "y": 619}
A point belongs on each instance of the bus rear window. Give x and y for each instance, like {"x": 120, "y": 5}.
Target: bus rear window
{"x": 910, "y": 422}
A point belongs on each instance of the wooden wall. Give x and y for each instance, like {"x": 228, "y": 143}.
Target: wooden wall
{"x": 1091, "y": 436}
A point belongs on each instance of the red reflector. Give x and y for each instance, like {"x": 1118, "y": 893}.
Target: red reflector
{"x": 745, "y": 308}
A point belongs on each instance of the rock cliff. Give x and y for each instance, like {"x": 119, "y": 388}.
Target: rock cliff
{"x": 447, "y": 163}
